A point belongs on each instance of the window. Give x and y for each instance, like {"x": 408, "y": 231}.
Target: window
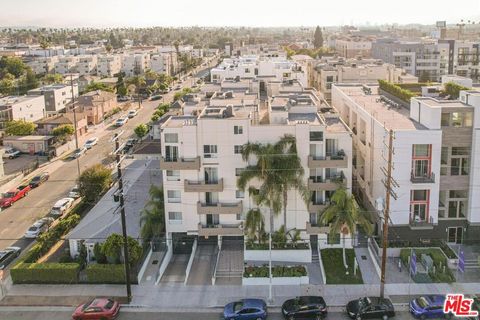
{"x": 329, "y": 78}
{"x": 173, "y": 196}
{"x": 460, "y": 161}
{"x": 209, "y": 151}
{"x": 237, "y": 129}
{"x": 237, "y": 149}
{"x": 171, "y": 138}
{"x": 171, "y": 153}
{"x": 316, "y": 136}
{"x": 173, "y": 175}
{"x": 238, "y": 171}
{"x": 457, "y": 119}
{"x": 421, "y": 160}
{"x": 239, "y": 194}
{"x": 174, "y": 217}
{"x": 419, "y": 202}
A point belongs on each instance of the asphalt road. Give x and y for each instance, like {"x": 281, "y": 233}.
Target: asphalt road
{"x": 142, "y": 315}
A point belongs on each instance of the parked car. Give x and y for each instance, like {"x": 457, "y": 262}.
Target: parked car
{"x": 121, "y": 121}
{"x": 427, "y": 306}
{"x": 60, "y": 207}
{"x": 123, "y": 98}
{"x": 74, "y": 193}
{"x": 305, "y": 307}
{"x": 156, "y": 97}
{"x": 11, "y": 153}
{"x": 8, "y": 255}
{"x": 91, "y": 142}
{"x": 245, "y": 309}
{"x": 12, "y": 196}
{"x": 39, "y": 179}
{"x": 99, "y": 308}
{"x": 77, "y": 153}
{"x": 178, "y": 87}
{"x": 36, "y": 229}
{"x": 132, "y": 113}
{"x": 370, "y": 307}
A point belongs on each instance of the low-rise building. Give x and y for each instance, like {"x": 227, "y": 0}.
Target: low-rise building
{"x": 47, "y": 125}
{"x": 66, "y": 64}
{"x": 96, "y": 104}
{"x": 109, "y": 65}
{"x": 43, "y": 65}
{"x": 87, "y": 65}
{"x": 135, "y": 63}
{"x": 56, "y": 96}
{"x": 27, "y": 108}
{"x": 353, "y": 47}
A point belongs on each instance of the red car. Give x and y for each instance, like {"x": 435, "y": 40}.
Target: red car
{"x": 98, "y": 309}
{"x": 8, "y": 198}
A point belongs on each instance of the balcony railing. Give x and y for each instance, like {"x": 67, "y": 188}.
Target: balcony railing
{"x": 180, "y": 163}
{"x": 428, "y": 178}
{"x": 206, "y": 230}
{"x": 338, "y": 160}
{"x": 316, "y": 206}
{"x": 416, "y": 223}
{"x": 331, "y": 183}
{"x": 313, "y": 228}
{"x": 220, "y": 208}
{"x": 203, "y": 186}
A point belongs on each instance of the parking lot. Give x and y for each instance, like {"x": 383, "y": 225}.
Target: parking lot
{"x": 19, "y": 164}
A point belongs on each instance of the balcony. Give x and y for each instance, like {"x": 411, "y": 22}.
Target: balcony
{"x": 211, "y": 230}
{"x": 417, "y": 224}
{"x": 331, "y": 183}
{"x": 203, "y": 186}
{"x": 316, "y": 206}
{"x": 339, "y": 160}
{"x": 220, "y": 208}
{"x": 427, "y": 178}
{"x": 316, "y": 229}
{"x": 180, "y": 163}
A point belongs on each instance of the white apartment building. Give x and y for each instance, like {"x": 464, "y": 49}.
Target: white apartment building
{"x": 163, "y": 63}
{"x": 435, "y": 153}
{"x": 109, "y": 65}
{"x": 201, "y": 160}
{"x": 56, "y": 96}
{"x": 27, "y": 108}
{"x": 66, "y": 64}
{"x": 43, "y": 65}
{"x": 87, "y": 65}
{"x": 353, "y": 47}
{"x": 135, "y": 63}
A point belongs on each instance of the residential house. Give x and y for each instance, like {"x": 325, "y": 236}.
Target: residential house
{"x": 96, "y": 104}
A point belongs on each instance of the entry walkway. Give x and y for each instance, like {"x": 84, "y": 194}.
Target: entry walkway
{"x": 203, "y": 265}
{"x": 366, "y": 265}
{"x": 176, "y": 269}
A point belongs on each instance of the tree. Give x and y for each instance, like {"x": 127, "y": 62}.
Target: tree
{"x": 100, "y": 257}
{"x": 318, "y": 38}
{"x": 7, "y": 85}
{"x": 63, "y": 130}
{"x": 52, "y": 78}
{"x": 12, "y": 65}
{"x": 19, "y": 128}
{"x": 28, "y": 81}
{"x": 45, "y": 44}
{"x": 453, "y": 90}
{"x": 255, "y": 225}
{"x": 108, "y": 48}
{"x": 152, "y": 221}
{"x": 137, "y": 82}
{"x": 112, "y": 248}
{"x": 94, "y": 86}
{"x": 93, "y": 182}
{"x": 343, "y": 215}
{"x": 141, "y": 130}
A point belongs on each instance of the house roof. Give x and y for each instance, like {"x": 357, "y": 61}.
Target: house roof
{"x": 148, "y": 147}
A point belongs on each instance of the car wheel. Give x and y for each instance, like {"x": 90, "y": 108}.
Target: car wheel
{"x": 422, "y": 317}
{"x": 358, "y": 318}
{"x": 385, "y": 317}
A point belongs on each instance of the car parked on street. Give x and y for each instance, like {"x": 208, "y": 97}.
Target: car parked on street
{"x": 7, "y": 255}
{"x": 60, "y": 207}
{"x": 39, "y": 179}
{"x": 246, "y": 309}
{"x": 132, "y": 113}
{"x": 36, "y": 229}
{"x": 121, "y": 121}
{"x": 370, "y": 308}
{"x": 74, "y": 193}
{"x": 11, "y": 153}
{"x": 305, "y": 307}
{"x": 91, "y": 142}
{"x": 77, "y": 153}
{"x": 156, "y": 97}
{"x": 100, "y": 308}
{"x": 12, "y": 196}
{"x": 430, "y": 306}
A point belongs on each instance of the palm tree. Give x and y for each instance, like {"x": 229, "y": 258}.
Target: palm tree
{"x": 255, "y": 225}
{"x": 152, "y": 221}
{"x": 343, "y": 215}
{"x": 138, "y": 82}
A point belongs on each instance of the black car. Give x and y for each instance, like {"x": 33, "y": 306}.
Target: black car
{"x": 39, "y": 179}
{"x": 8, "y": 255}
{"x": 370, "y": 308}
{"x": 304, "y": 307}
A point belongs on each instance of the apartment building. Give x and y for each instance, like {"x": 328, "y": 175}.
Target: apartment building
{"x": 56, "y": 96}
{"x": 96, "y": 104}
{"x": 27, "y": 108}
{"x": 435, "y": 152}
{"x": 66, "y": 64}
{"x": 164, "y": 63}
{"x": 201, "y": 160}
{"x": 353, "y": 47}
{"x": 135, "y": 63}
{"x": 43, "y": 65}
{"x": 463, "y": 57}
{"x": 325, "y": 72}
{"x": 87, "y": 65}
{"x": 109, "y": 65}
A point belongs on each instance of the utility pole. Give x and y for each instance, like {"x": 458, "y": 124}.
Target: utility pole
{"x": 122, "y": 214}
{"x": 75, "y": 122}
{"x": 388, "y": 182}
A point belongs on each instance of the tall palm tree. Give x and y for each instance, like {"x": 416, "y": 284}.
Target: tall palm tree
{"x": 152, "y": 220}
{"x": 255, "y": 225}
{"x": 343, "y": 215}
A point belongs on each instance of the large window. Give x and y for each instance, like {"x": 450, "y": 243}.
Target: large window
{"x": 173, "y": 196}
{"x": 210, "y": 151}
{"x": 457, "y": 119}
{"x": 173, "y": 175}
{"x": 421, "y": 160}
{"x": 174, "y": 217}
{"x": 237, "y": 149}
{"x": 457, "y": 204}
{"x": 316, "y": 136}
{"x": 419, "y": 200}
{"x": 171, "y": 153}
{"x": 171, "y": 138}
{"x": 460, "y": 161}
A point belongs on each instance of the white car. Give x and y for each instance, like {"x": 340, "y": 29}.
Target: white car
{"x": 121, "y": 121}
{"x": 61, "y": 206}
{"x": 132, "y": 113}
{"x": 74, "y": 193}
{"x": 11, "y": 153}
{"x": 91, "y": 142}
{"x": 35, "y": 230}
{"x": 77, "y": 153}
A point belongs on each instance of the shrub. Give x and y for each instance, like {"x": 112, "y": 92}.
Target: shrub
{"x": 105, "y": 273}
{"x": 93, "y": 182}
{"x": 439, "y": 261}
{"x": 65, "y": 273}
{"x": 453, "y": 90}
{"x": 396, "y": 90}
{"x": 277, "y": 271}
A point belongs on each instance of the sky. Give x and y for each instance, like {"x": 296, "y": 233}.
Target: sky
{"x": 262, "y": 13}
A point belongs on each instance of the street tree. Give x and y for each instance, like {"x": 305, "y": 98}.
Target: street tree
{"x": 318, "y": 38}
{"x": 19, "y": 128}
{"x": 141, "y": 130}
{"x": 93, "y": 182}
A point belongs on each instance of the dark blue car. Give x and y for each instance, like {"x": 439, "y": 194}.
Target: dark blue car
{"x": 246, "y": 309}
{"x": 427, "y": 307}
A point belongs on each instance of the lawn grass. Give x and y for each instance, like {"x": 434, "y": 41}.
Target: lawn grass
{"x": 332, "y": 260}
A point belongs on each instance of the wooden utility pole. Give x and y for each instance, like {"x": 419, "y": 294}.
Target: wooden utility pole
{"x": 388, "y": 182}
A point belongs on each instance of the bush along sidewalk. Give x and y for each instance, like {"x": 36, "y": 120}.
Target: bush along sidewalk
{"x": 55, "y": 273}
{"x": 277, "y": 271}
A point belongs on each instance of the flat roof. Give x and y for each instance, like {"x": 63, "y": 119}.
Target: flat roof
{"x": 9, "y": 100}
{"x": 439, "y": 103}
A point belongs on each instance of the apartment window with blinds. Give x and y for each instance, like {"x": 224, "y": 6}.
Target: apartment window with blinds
{"x": 419, "y": 204}
{"x": 171, "y": 137}
{"x": 174, "y": 217}
{"x": 237, "y": 149}
{"x": 238, "y": 171}
{"x": 239, "y": 194}
{"x": 173, "y": 175}
{"x": 173, "y": 196}
{"x": 237, "y": 129}
{"x": 210, "y": 151}
{"x": 460, "y": 161}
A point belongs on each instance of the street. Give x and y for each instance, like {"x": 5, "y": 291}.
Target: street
{"x": 132, "y": 314}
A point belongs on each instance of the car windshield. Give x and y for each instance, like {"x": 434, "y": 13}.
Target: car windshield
{"x": 77, "y": 150}
{"x": 237, "y": 306}
{"x": 36, "y": 178}
{"x": 364, "y": 302}
{"x": 75, "y": 190}
{"x": 422, "y": 302}
{"x": 8, "y": 194}
{"x": 109, "y": 304}
{"x": 90, "y": 141}
{"x": 32, "y": 229}
{"x": 86, "y": 305}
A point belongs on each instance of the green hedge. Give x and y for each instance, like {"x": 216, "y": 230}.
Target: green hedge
{"x": 45, "y": 273}
{"x": 277, "y": 271}
{"x": 106, "y": 273}
{"x": 395, "y": 90}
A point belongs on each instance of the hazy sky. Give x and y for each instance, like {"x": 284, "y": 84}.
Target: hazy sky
{"x": 108, "y": 13}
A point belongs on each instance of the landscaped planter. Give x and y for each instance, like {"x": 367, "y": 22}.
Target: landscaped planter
{"x": 252, "y": 281}
{"x": 286, "y": 255}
